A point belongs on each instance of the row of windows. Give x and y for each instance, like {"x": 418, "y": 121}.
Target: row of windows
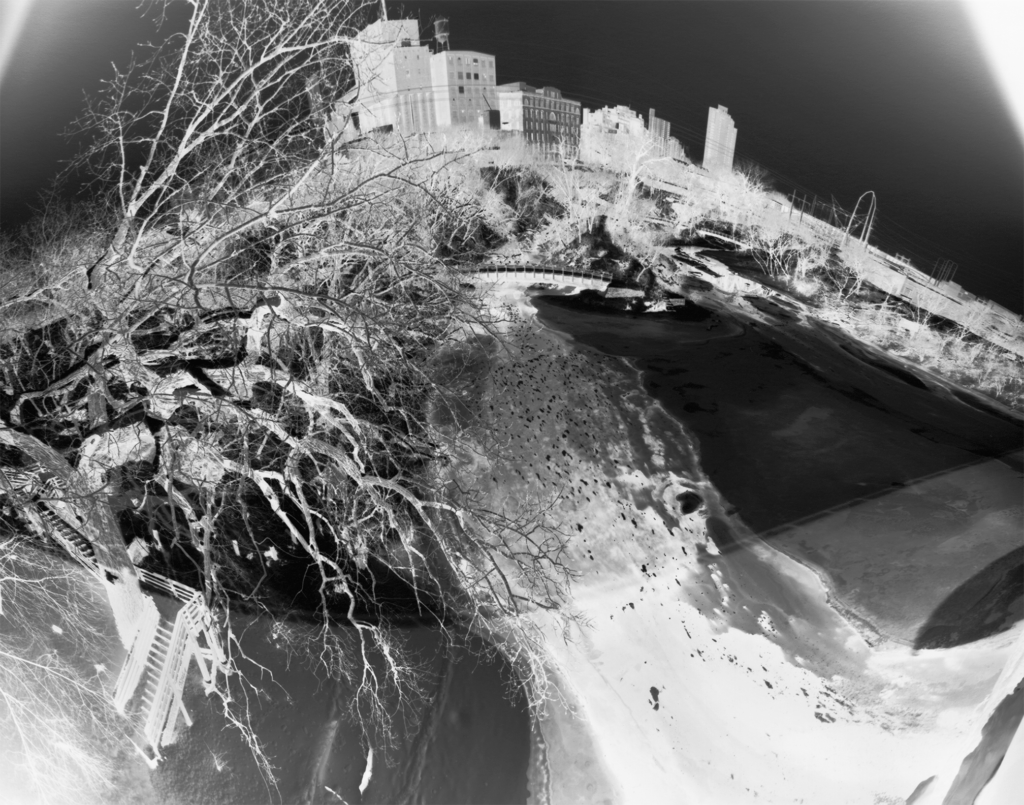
{"x": 544, "y": 127}
{"x": 559, "y": 106}
{"x": 489, "y": 63}
{"x": 550, "y": 115}
{"x": 468, "y": 76}
{"x": 537, "y": 138}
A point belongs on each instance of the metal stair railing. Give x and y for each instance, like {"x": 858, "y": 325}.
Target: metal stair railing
{"x": 170, "y": 676}
{"x": 136, "y": 661}
{"x": 162, "y": 654}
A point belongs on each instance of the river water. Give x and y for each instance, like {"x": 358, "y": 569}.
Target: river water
{"x": 463, "y": 737}
{"x": 902, "y": 496}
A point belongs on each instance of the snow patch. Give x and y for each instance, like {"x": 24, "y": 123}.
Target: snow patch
{"x": 367, "y": 772}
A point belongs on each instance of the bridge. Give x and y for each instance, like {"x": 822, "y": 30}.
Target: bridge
{"x": 152, "y": 678}
{"x": 529, "y": 275}
{"x": 710, "y": 233}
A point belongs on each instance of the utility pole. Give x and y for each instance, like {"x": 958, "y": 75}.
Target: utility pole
{"x": 944, "y": 271}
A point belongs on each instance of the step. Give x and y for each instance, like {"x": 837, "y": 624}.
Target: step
{"x": 156, "y": 667}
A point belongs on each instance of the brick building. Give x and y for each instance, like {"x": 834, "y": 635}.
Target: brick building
{"x": 542, "y": 116}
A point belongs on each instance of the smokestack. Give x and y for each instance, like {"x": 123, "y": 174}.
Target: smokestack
{"x": 441, "y": 33}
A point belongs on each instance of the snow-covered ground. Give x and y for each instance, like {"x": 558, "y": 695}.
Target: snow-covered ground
{"x": 701, "y": 676}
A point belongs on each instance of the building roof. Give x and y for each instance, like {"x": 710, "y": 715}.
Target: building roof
{"x": 517, "y": 86}
{"x": 387, "y": 32}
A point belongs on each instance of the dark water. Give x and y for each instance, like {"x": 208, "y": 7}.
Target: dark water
{"x": 798, "y": 424}
{"x": 834, "y": 98}
{"x": 464, "y": 738}
{"x": 867, "y": 429}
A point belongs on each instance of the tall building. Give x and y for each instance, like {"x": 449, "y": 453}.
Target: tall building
{"x": 464, "y": 89}
{"x": 660, "y": 131}
{"x": 392, "y": 78}
{"x": 401, "y": 85}
{"x": 720, "y": 142}
{"x": 542, "y": 116}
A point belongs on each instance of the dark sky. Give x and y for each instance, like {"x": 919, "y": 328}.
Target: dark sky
{"x": 834, "y": 98}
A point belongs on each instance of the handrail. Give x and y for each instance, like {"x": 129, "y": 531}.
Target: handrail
{"x": 554, "y": 273}
{"x": 138, "y": 656}
{"x": 175, "y": 589}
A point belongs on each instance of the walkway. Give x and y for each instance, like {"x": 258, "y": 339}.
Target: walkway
{"x": 518, "y": 275}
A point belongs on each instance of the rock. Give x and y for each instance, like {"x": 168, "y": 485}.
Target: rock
{"x": 187, "y": 459}
{"x": 689, "y": 502}
{"x": 623, "y": 293}
{"x": 115, "y": 448}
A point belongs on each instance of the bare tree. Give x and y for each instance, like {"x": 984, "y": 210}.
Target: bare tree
{"x": 242, "y": 378}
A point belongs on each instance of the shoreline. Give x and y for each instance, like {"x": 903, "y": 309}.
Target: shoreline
{"x": 809, "y": 479}
{"x": 667, "y": 608}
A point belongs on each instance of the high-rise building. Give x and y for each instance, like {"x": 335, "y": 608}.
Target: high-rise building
{"x": 542, "y": 116}
{"x": 720, "y": 142}
{"x": 660, "y": 131}
{"x": 401, "y": 85}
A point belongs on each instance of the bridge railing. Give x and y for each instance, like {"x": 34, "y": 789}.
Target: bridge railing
{"x": 553, "y": 273}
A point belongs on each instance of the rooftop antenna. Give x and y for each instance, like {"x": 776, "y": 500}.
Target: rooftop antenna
{"x": 441, "y": 33}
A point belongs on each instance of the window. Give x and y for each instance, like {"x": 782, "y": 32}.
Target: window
{"x": 476, "y": 61}
{"x": 476, "y": 76}
{"x": 462, "y": 90}
{"x": 460, "y": 75}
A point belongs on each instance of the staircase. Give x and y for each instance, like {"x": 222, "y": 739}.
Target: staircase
{"x": 161, "y": 649}
{"x": 68, "y": 538}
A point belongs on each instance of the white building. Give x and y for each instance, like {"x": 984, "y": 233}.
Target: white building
{"x": 401, "y": 85}
{"x": 543, "y": 117}
{"x": 720, "y": 141}
{"x": 464, "y": 89}
{"x": 610, "y": 136}
{"x": 661, "y": 132}
{"x": 617, "y": 120}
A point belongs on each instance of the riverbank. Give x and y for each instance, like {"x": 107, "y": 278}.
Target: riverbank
{"x": 873, "y": 474}
{"x": 702, "y": 674}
